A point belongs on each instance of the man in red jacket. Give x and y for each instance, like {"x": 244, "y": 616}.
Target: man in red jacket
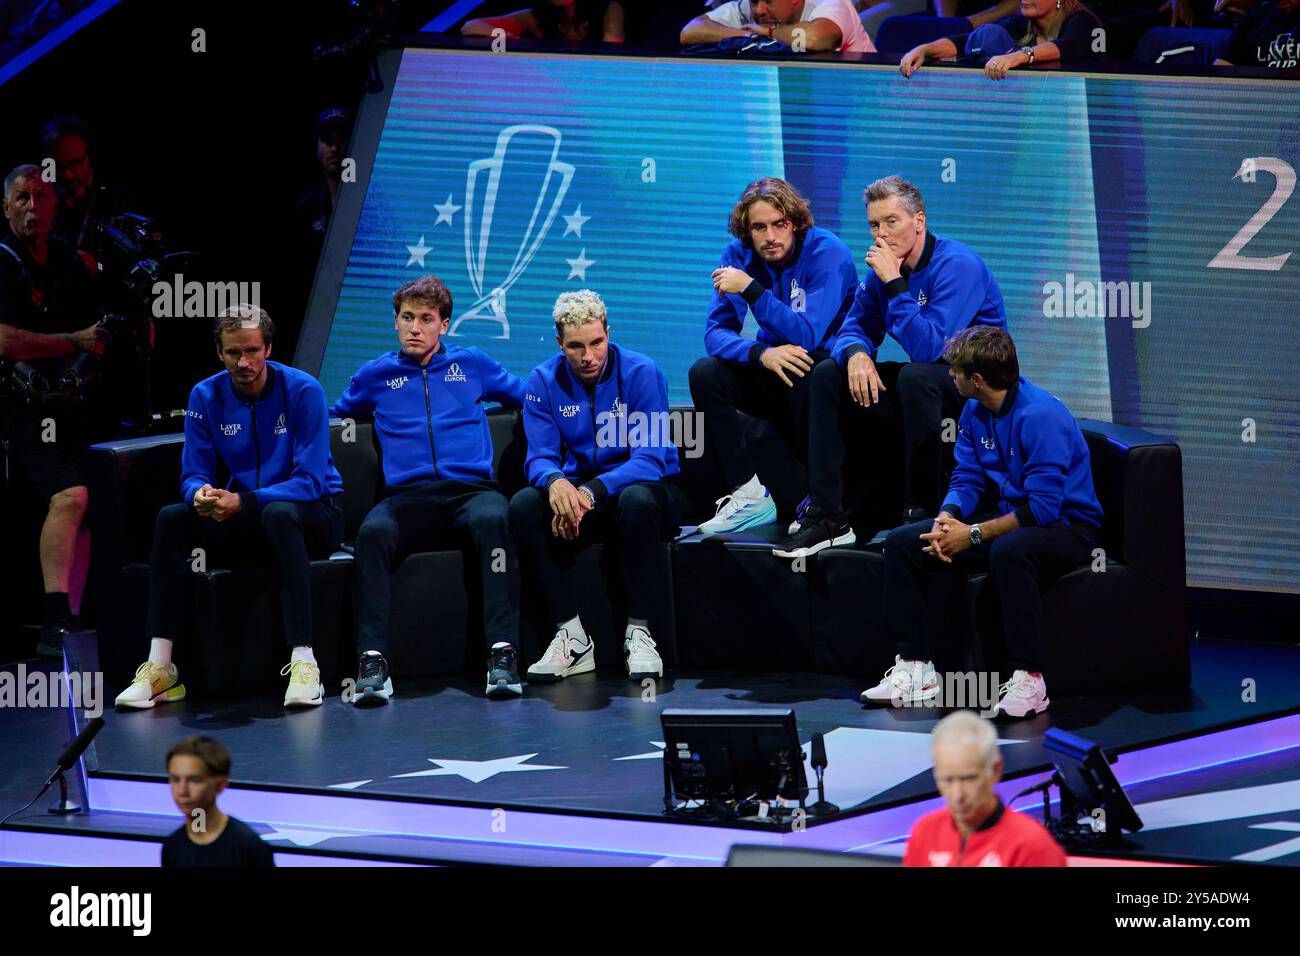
{"x": 975, "y": 829}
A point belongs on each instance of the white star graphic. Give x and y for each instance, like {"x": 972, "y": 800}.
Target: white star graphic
{"x": 350, "y": 785}
{"x": 576, "y": 220}
{"x": 300, "y": 836}
{"x": 418, "y": 252}
{"x": 446, "y": 211}
{"x": 652, "y": 755}
{"x": 476, "y": 771}
{"x": 578, "y": 267}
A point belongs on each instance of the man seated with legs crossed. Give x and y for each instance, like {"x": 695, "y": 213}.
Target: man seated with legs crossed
{"x": 922, "y": 289}
{"x": 600, "y": 465}
{"x": 267, "y": 424}
{"x": 1020, "y": 450}
{"x": 797, "y": 279}
{"x": 427, "y": 402}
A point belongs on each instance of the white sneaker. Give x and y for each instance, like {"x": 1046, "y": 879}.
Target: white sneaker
{"x": 152, "y": 684}
{"x": 906, "y": 684}
{"x": 564, "y": 658}
{"x": 305, "y": 688}
{"x": 1022, "y": 696}
{"x": 639, "y": 654}
{"x": 736, "y": 514}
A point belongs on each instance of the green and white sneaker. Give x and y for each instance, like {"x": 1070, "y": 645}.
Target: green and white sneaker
{"x": 152, "y": 685}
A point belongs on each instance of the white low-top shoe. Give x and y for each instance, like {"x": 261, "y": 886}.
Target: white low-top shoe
{"x": 1023, "y": 696}
{"x": 305, "y": 688}
{"x": 564, "y": 658}
{"x": 906, "y": 684}
{"x": 640, "y": 656}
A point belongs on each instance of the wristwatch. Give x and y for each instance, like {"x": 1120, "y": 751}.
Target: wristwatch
{"x": 588, "y": 494}
{"x": 1029, "y": 52}
{"x": 976, "y": 535}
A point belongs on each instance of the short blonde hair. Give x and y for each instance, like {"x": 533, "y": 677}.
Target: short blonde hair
{"x": 573, "y": 309}
{"x": 965, "y": 727}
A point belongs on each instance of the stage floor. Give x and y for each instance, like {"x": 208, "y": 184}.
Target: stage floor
{"x": 590, "y": 747}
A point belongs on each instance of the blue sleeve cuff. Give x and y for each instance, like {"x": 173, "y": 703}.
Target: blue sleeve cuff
{"x": 248, "y": 501}
{"x": 756, "y": 352}
{"x": 852, "y": 350}
{"x": 753, "y": 292}
{"x": 952, "y": 509}
{"x": 553, "y": 478}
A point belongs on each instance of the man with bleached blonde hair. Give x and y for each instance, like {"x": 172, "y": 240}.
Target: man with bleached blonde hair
{"x": 600, "y": 465}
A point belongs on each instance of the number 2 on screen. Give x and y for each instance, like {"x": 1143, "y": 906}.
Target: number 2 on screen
{"x": 1229, "y": 256}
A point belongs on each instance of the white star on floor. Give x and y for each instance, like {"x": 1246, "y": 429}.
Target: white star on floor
{"x": 578, "y": 267}
{"x": 476, "y": 771}
{"x": 446, "y": 211}
{"x": 652, "y": 755}
{"x": 350, "y": 785}
{"x": 576, "y": 220}
{"x": 418, "y": 252}
{"x": 302, "y": 836}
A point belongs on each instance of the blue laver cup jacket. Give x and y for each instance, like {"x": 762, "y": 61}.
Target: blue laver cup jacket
{"x": 801, "y": 303}
{"x": 1031, "y": 454}
{"x": 607, "y": 438}
{"x": 949, "y": 290}
{"x": 277, "y": 448}
{"x": 430, "y": 419}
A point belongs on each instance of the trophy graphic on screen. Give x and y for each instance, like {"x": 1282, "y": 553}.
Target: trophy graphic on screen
{"x": 511, "y": 199}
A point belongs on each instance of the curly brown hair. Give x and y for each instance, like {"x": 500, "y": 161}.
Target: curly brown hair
{"x": 787, "y": 200}
{"x": 427, "y": 290}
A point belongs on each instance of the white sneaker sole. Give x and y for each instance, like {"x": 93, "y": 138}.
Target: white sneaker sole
{"x": 170, "y": 696}
{"x": 766, "y": 516}
{"x": 306, "y": 701}
{"x": 584, "y": 665}
{"x": 847, "y": 538}
{"x": 503, "y": 690}
{"x": 891, "y": 700}
{"x": 1000, "y": 711}
{"x": 655, "y": 670}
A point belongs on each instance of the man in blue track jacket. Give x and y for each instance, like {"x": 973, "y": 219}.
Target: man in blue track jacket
{"x": 267, "y": 424}
{"x": 1021, "y": 506}
{"x": 426, "y": 399}
{"x": 797, "y": 280}
{"x": 600, "y": 463}
{"x": 921, "y": 289}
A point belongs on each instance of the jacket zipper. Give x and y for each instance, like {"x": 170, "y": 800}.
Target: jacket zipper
{"x": 257, "y": 448}
{"x": 428, "y": 421}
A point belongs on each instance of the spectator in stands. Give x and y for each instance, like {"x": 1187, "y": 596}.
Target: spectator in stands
{"x": 264, "y": 424}
{"x": 974, "y": 828}
{"x": 825, "y": 24}
{"x": 198, "y": 769}
{"x": 921, "y": 289}
{"x": 1267, "y": 36}
{"x": 798, "y": 280}
{"x": 427, "y": 402}
{"x": 1023, "y": 481}
{"x": 600, "y": 466}
{"x": 558, "y": 21}
{"x": 1044, "y": 32}
{"x": 313, "y": 209}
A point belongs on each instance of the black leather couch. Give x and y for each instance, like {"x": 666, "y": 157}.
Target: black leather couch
{"x": 732, "y": 603}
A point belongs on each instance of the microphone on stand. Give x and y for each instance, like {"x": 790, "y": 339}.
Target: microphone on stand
{"x": 819, "y": 763}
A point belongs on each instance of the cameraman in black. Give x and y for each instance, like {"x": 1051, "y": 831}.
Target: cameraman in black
{"x": 85, "y": 204}
{"x": 45, "y": 304}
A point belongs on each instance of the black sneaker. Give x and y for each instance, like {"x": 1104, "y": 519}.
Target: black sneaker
{"x": 52, "y": 636}
{"x": 816, "y": 533}
{"x": 374, "y": 685}
{"x": 503, "y": 672}
{"x": 913, "y": 515}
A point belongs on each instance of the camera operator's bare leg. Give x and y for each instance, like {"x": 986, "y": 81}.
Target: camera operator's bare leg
{"x": 62, "y": 561}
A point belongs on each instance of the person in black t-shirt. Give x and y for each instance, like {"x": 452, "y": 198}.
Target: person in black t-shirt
{"x": 1267, "y": 36}
{"x": 45, "y": 320}
{"x": 1045, "y": 31}
{"x": 198, "y": 769}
